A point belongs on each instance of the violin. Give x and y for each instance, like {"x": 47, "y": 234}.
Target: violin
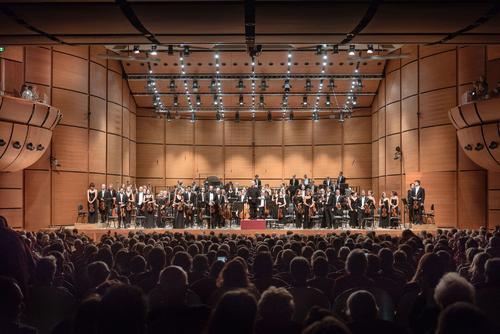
{"x": 128, "y": 207}
{"x": 226, "y": 212}
{"x": 383, "y": 212}
{"x": 366, "y": 209}
{"x": 150, "y": 207}
{"x": 312, "y": 209}
{"x": 394, "y": 212}
{"x": 102, "y": 205}
{"x": 91, "y": 208}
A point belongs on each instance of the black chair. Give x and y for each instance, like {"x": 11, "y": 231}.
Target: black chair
{"x": 80, "y": 218}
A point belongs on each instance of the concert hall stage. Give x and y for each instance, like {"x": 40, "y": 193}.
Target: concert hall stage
{"x": 96, "y": 231}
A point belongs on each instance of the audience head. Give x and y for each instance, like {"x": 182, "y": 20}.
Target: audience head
{"x": 327, "y": 325}
{"x": 45, "y": 270}
{"x": 234, "y": 275}
{"x": 235, "y": 312}
{"x": 462, "y": 318}
{"x": 11, "y": 301}
{"x": 356, "y": 262}
{"x": 453, "y": 288}
{"x": 492, "y": 271}
{"x": 300, "y": 270}
{"x": 361, "y": 306}
{"x": 276, "y": 304}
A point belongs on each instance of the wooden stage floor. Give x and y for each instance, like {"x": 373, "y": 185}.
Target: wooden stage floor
{"x": 96, "y": 231}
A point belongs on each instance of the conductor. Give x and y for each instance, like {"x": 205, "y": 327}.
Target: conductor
{"x": 253, "y": 194}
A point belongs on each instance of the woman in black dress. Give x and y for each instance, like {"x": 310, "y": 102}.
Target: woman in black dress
{"x": 354, "y": 203}
{"x": 298, "y": 203}
{"x": 394, "y": 208}
{"x": 308, "y": 202}
{"x": 92, "y": 203}
{"x": 384, "y": 211}
{"x": 149, "y": 201}
{"x": 180, "y": 210}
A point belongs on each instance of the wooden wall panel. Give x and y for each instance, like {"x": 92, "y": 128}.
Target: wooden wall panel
{"x": 133, "y": 126}
{"x": 97, "y": 113}
{"x": 150, "y": 130}
{"x": 409, "y": 80}
{"x": 209, "y": 160}
{"x": 238, "y": 162}
{"x": 238, "y": 133}
{"x": 434, "y": 106}
{"x": 393, "y": 86}
{"x": 208, "y": 133}
{"x": 133, "y": 158}
{"x": 393, "y": 118}
{"x": 268, "y": 133}
{"x": 409, "y": 141}
{"x": 471, "y": 199}
{"x": 114, "y": 87}
{"x": 297, "y": 132}
{"x": 70, "y": 72}
{"x": 11, "y": 198}
{"x": 37, "y": 211}
{"x": 409, "y": 113}
{"x": 429, "y": 50}
{"x": 38, "y": 65}
{"x": 150, "y": 160}
{"x": 493, "y": 196}
{"x": 73, "y": 105}
{"x": 125, "y": 156}
{"x": 392, "y": 166}
{"x": 68, "y": 191}
{"x": 14, "y": 217}
{"x": 11, "y": 180}
{"x": 493, "y": 181}
{"x": 357, "y": 130}
{"x": 179, "y": 132}
{"x": 13, "y": 73}
{"x": 81, "y": 51}
{"x": 381, "y": 157}
{"x": 329, "y": 131}
{"x": 70, "y": 148}
{"x": 114, "y": 119}
{"x": 381, "y": 122}
{"x": 375, "y": 166}
{"x": 179, "y": 161}
{"x": 269, "y": 161}
{"x": 98, "y": 80}
{"x": 114, "y": 154}
{"x": 298, "y": 160}
{"x": 392, "y": 183}
{"x": 471, "y": 63}
{"x": 375, "y": 126}
{"x": 97, "y": 151}
{"x": 125, "y": 123}
{"x": 437, "y": 71}
{"x": 438, "y": 148}
{"x": 326, "y": 161}
{"x": 465, "y": 163}
{"x": 125, "y": 94}
{"x": 97, "y": 179}
{"x": 357, "y": 161}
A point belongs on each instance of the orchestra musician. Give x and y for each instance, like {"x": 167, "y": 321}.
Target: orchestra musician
{"x": 409, "y": 201}
{"x": 365, "y": 208}
{"x": 129, "y": 205}
{"x": 212, "y": 205}
{"x": 329, "y": 205}
{"x": 418, "y": 196}
{"x": 121, "y": 201}
{"x": 306, "y": 181}
{"x": 189, "y": 199}
{"x": 384, "y": 212}
{"x": 328, "y": 183}
{"x": 394, "y": 207}
{"x": 102, "y": 196}
{"x": 281, "y": 204}
{"x": 253, "y": 194}
{"x": 308, "y": 207}
{"x": 354, "y": 203}
{"x": 161, "y": 205}
{"x": 222, "y": 201}
{"x": 294, "y": 184}
{"x": 140, "y": 201}
{"x": 92, "y": 203}
{"x": 179, "y": 207}
{"x": 110, "y": 200}
{"x": 201, "y": 205}
{"x": 257, "y": 181}
{"x": 341, "y": 180}
{"x": 298, "y": 203}
{"x": 149, "y": 203}
{"x": 337, "y": 206}
{"x": 262, "y": 204}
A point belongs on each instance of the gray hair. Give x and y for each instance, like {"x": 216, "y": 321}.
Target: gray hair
{"x": 453, "y": 288}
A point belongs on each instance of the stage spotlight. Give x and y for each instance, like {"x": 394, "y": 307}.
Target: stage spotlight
{"x": 315, "y": 116}
{"x": 287, "y": 86}
{"x": 241, "y": 101}
{"x": 370, "y": 49}
{"x": 237, "y": 117}
{"x": 359, "y": 83}
{"x": 290, "y": 115}
{"x": 186, "y": 51}
{"x": 171, "y": 85}
{"x": 269, "y": 116}
{"x": 335, "y": 49}
{"x": 261, "y": 100}
{"x": 240, "y": 84}
{"x": 354, "y": 100}
{"x": 169, "y": 116}
{"x": 304, "y": 101}
{"x": 193, "y": 117}
{"x": 198, "y": 100}
{"x": 263, "y": 85}
{"x": 136, "y": 49}
{"x": 308, "y": 86}
{"x": 352, "y": 50}
{"x": 216, "y": 100}
{"x": 170, "y": 50}
{"x": 328, "y": 101}
{"x": 153, "y": 51}
{"x": 398, "y": 153}
{"x": 176, "y": 101}
{"x": 196, "y": 86}
{"x": 331, "y": 84}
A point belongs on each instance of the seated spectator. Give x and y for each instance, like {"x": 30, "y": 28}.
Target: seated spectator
{"x": 232, "y": 277}
{"x": 453, "y": 288}
{"x": 10, "y": 308}
{"x": 363, "y": 311}
{"x": 304, "y": 297}
{"x": 274, "y": 313}
{"x": 199, "y": 269}
{"x": 320, "y": 280}
{"x": 234, "y": 313}
{"x": 263, "y": 273}
{"x": 206, "y": 287}
{"x": 355, "y": 277}
{"x": 462, "y": 318}
{"x": 98, "y": 273}
{"x": 40, "y": 313}
{"x": 488, "y": 293}
{"x": 122, "y": 310}
{"x": 172, "y": 289}
{"x": 328, "y": 325}
{"x": 476, "y": 270}
{"x": 156, "y": 262}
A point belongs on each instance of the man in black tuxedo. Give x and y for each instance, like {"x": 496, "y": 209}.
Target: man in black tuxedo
{"x": 110, "y": 199}
{"x": 102, "y": 195}
{"x": 212, "y": 205}
{"x": 121, "y": 202}
{"x": 294, "y": 184}
{"x": 328, "y": 183}
{"x": 329, "y": 205}
{"x": 253, "y": 195}
{"x": 257, "y": 181}
{"x": 341, "y": 180}
{"x": 419, "y": 196}
{"x": 409, "y": 203}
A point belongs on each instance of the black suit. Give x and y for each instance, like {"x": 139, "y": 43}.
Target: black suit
{"x": 258, "y": 182}
{"x": 121, "y": 200}
{"x": 418, "y": 195}
{"x": 328, "y": 183}
{"x": 253, "y": 195}
{"x": 102, "y": 196}
{"x": 214, "y": 216}
{"x": 341, "y": 180}
{"x": 329, "y": 204}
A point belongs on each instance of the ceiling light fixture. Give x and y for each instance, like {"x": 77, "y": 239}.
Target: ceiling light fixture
{"x": 136, "y": 49}
{"x": 153, "y": 51}
{"x": 370, "y": 49}
{"x": 352, "y": 50}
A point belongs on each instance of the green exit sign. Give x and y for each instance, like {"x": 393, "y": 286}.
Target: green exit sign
{"x": 2, "y": 49}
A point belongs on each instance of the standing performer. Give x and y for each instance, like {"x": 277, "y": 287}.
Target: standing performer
{"x": 337, "y": 209}
{"x": 306, "y": 181}
{"x": 149, "y": 202}
{"x": 179, "y": 207}
{"x": 418, "y": 202}
{"x": 294, "y": 184}
{"x": 353, "y": 209}
{"x": 329, "y": 205}
{"x": 383, "y": 210}
{"x": 281, "y": 204}
{"x": 409, "y": 201}
{"x": 328, "y": 183}
{"x": 262, "y": 204}
{"x": 253, "y": 195}
{"x": 92, "y": 203}
{"x": 363, "y": 208}
{"x": 201, "y": 205}
{"x": 121, "y": 202}
{"x": 221, "y": 200}
{"x": 257, "y": 181}
{"x": 212, "y": 205}
{"x": 341, "y": 180}
{"x": 189, "y": 199}
{"x": 129, "y": 205}
{"x": 394, "y": 208}
{"x": 308, "y": 207}
{"x": 102, "y": 196}
{"x": 298, "y": 203}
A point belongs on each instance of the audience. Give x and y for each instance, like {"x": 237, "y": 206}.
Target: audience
{"x": 62, "y": 281}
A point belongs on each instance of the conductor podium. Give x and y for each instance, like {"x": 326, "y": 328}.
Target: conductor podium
{"x": 253, "y": 224}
